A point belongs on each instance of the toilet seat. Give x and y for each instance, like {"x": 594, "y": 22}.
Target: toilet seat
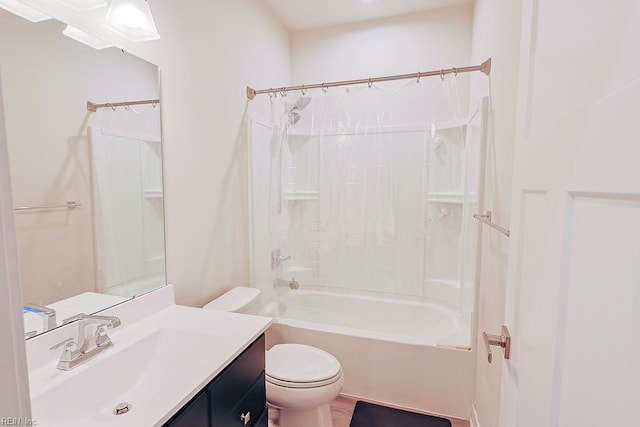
{"x": 301, "y": 366}
{"x": 308, "y": 384}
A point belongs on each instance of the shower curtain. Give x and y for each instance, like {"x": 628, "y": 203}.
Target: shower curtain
{"x": 369, "y": 190}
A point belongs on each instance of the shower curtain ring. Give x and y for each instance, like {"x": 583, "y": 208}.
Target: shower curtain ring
{"x": 283, "y": 92}
{"x": 441, "y": 74}
{"x": 455, "y": 72}
{"x": 418, "y": 77}
{"x": 369, "y": 83}
{"x": 303, "y": 90}
{"x": 324, "y": 88}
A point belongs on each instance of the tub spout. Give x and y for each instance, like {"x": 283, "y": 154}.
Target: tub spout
{"x": 291, "y": 284}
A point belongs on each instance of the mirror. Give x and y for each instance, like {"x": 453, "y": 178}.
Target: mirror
{"x": 87, "y": 186}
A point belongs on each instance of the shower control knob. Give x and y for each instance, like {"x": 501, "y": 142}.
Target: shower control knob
{"x": 277, "y": 259}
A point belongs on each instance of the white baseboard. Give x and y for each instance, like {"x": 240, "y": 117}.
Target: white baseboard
{"x": 474, "y": 421}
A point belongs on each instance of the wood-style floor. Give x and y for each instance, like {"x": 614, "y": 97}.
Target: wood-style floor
{"x": 342, "y": 410}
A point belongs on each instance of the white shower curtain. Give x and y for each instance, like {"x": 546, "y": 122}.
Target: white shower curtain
{"x": 367, "y": 185}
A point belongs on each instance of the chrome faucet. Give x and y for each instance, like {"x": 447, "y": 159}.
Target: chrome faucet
{"x": 291, "y": 284}
{"x": 89, "y": 343}
{"x": 47, "y": 314}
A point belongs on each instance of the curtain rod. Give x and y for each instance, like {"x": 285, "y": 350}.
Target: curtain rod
{"x": 94, "y": 107}
{"x": 485, "y": 67}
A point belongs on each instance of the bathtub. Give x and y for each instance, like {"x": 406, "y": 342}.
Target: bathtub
{"x": 409, "y": 354}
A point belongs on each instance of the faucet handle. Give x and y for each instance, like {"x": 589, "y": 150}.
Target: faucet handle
{"x": 70, "y": 352}
{"x": 101, "y": 337}
{"x": 68, "y": 344}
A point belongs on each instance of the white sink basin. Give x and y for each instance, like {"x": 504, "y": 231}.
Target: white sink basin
{"x": 157, "y": 365}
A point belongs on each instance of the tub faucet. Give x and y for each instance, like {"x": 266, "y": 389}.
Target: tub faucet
{"x": 88, "y": 344}
{"x": 291, "y": 284}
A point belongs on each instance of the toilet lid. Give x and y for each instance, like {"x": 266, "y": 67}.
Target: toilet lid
{"x": 298, "y": 363}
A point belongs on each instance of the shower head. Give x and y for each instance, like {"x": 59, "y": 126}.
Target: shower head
{"x": 294, "y": 109}
{"x": 301, "y": 103}
{"x": 294, "y": 117}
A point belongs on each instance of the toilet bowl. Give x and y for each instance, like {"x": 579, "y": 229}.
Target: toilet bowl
{"x": 301, "y": 380}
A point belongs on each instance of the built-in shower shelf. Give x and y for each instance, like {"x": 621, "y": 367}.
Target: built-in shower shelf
{"x": 298, "y": 269}
{"x": 301, "y": 195}
{"x": 153, "y": 194}
{"x": 452, "y": 283}
{"x": 451, "y": 197}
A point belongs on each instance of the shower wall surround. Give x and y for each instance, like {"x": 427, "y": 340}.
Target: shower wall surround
{"x": 372, "y": 190}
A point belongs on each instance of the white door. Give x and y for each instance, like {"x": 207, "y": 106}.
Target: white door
{"x": 573, "y": 298}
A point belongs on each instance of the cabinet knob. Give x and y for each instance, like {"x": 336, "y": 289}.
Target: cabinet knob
{"x": 245, "y": 418}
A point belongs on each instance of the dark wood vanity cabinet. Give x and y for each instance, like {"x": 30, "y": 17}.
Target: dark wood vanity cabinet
{"x": 236, "y": 397}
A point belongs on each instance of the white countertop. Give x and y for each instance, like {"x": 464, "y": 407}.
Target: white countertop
{"x": 163, "y": 355}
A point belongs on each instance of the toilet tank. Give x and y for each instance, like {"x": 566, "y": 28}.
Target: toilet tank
{"x": 241, "y": 299}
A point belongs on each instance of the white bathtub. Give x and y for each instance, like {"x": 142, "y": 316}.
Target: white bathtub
{"x": 406, "y": 353}
{"x": 390, "y": 319}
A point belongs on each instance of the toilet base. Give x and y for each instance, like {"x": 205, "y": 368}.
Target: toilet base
{"x": 315, "y": 417}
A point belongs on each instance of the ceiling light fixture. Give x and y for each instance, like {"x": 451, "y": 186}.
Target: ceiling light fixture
{"x": 23, "y": 10}
{"x": 82, "y": 37}
{"x": 132, "y": 19}
{"x": 83, "y": 5}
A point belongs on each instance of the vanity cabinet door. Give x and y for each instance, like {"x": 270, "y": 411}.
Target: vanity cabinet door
{"x": 195, "y": 413}
{"x": 249, "y": 410}
{"x": 237, "y": 397}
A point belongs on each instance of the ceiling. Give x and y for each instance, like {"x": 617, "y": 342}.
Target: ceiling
{"x": 299, "y": 15}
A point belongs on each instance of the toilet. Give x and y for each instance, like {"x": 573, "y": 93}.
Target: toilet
{"x": 301, "y": 380}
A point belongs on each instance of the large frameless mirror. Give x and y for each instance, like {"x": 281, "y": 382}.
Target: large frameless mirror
{"x": 87, "y": 185}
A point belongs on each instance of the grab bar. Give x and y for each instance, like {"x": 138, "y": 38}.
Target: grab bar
{"x": 486, "y": 218}
{"x": 70, "y": 205}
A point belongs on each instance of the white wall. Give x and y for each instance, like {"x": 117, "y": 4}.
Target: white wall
{"x": 209, "y": 52}
{"x": 404, "y": 44}
{"x": 496, "y": 34}
{"x": 47, "y": 80}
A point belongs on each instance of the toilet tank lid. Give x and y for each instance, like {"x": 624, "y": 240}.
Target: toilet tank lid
{"x": 234, "y": 299}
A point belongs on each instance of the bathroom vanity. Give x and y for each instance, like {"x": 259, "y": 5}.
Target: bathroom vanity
{"x": 236, "y": 397}
{"x": 170, "y": 365}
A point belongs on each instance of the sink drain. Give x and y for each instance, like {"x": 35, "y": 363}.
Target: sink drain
{"x": 122, "y": 408}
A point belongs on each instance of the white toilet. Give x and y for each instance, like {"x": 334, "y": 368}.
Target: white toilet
{"x": 301, "y": 380}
